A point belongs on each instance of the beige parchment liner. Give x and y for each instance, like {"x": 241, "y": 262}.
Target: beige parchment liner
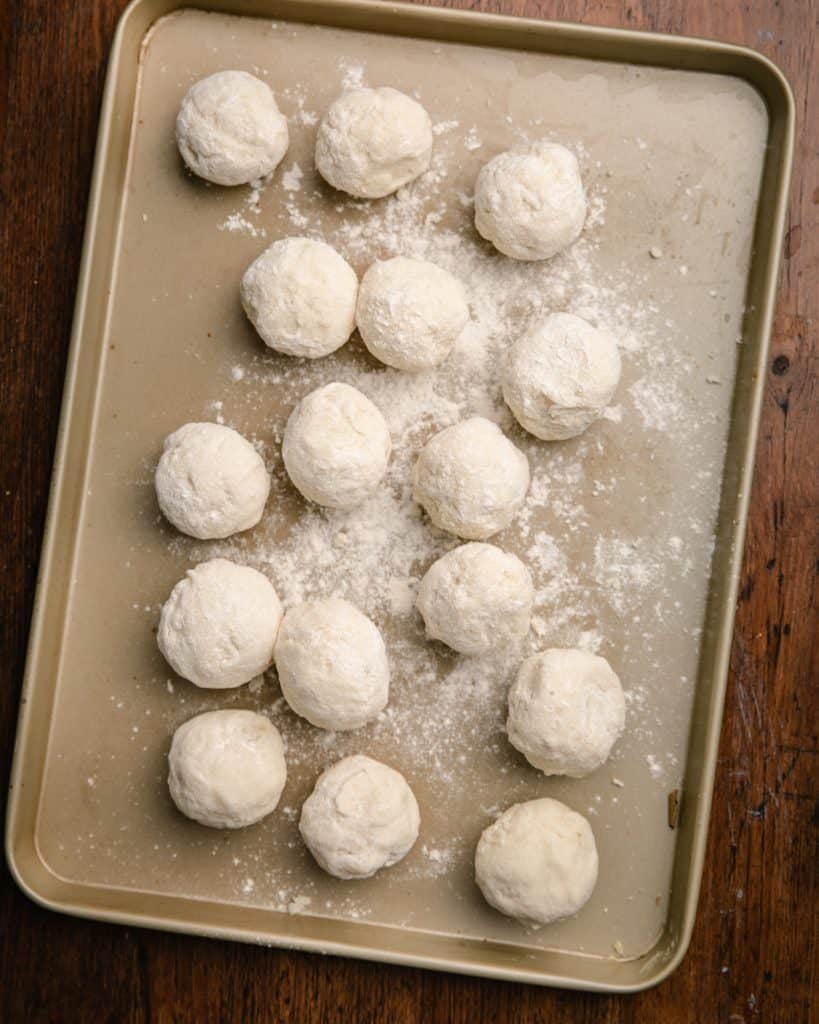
{"x": 618, "y": 530}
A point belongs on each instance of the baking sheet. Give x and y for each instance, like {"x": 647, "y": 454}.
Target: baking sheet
{"x": 619, "y": 531}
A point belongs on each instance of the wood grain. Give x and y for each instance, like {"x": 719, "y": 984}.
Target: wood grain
{"x": 754, "y": 952}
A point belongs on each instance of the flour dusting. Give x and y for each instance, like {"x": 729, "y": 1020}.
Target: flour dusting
{"x": 443, "y": 706}
{"x": 617, "y": 527}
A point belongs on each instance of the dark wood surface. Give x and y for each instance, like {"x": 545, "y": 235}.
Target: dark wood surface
{"x": 754, "y": 952}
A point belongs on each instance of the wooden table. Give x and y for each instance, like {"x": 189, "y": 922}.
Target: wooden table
{"x": 754, "y": 952}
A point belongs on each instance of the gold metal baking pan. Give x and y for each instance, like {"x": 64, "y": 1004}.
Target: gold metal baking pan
{"x": 686, "y": 150}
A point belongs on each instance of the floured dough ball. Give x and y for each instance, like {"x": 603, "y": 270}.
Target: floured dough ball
{"x": 566, "y": 711}
{"x": 229, "y": 129}
{"x": 410, "y": 313}
{"x": 560, "y": 376}
{"x": 476, "y": 598}
{"x": 210, "y": 481}
{"x": 372, "y": 141}
{"x": 471, "y": 479}
{"x": 537, "y": 863}
{"x": 361, "y": 817}
{"x": 529, "y": 201}
{"x": 300, "y": 296}
{"x": 226, "y": 768}
{"x": 218, "y": 627}
{"x": 336, "y": 446}
{"x": 332, "y": 664}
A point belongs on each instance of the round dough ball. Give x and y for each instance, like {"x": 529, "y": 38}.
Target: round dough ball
{"x": 372, "y": 141}
{"x": 336, "y": 446}
{"x": 211, "y": 482}
{"x": 529, "y": 201}
{"x": 471, "y": 479}
{"x": 218, "y": 627}
{"x": 226, "y": 768}
{"x": 566, "y": 711}
{"x": 538, "y": 862}
{"x": 410, "y": 313}
{"x": 361, "y": 817}
{"x": 229, "y": 129}
{"x": 560, "y": 376}
{"x": 300, "y": 296}
{"x": 332, "y": 664}
{"x": 476, "y": 598}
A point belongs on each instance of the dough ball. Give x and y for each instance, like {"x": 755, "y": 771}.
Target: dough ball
{"x": 300, "y": 296}
{"x": 361, "y": 817}
{"x": 537, "y": 863}
{"x": 227, "y": 768}
{"x": 410, "y": 313}
{"x": 529, "y": 201}
{"x": 372, "y": 141}
{"x": 229, "y": 129}
{"x": 218, "y": 627}
{"x": 476, "y": 598}
{"x": 336, "y": 446}
{"x": 210, "y": 481}
{"x": 332, "y": 664}
{"x": 566, "y": 711}
{"x": 471, "y": 479}
{"x": 560, "y": 376}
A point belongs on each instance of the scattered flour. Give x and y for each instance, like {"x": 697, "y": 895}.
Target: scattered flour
{"x": 291, "y": 179}
{"x": 238, "y": 222}
{"x": 591, "y": 586}
{"x": 352, "y": 75}
{"x": 604, "y": 581}
{"x": 658, "y": 401}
